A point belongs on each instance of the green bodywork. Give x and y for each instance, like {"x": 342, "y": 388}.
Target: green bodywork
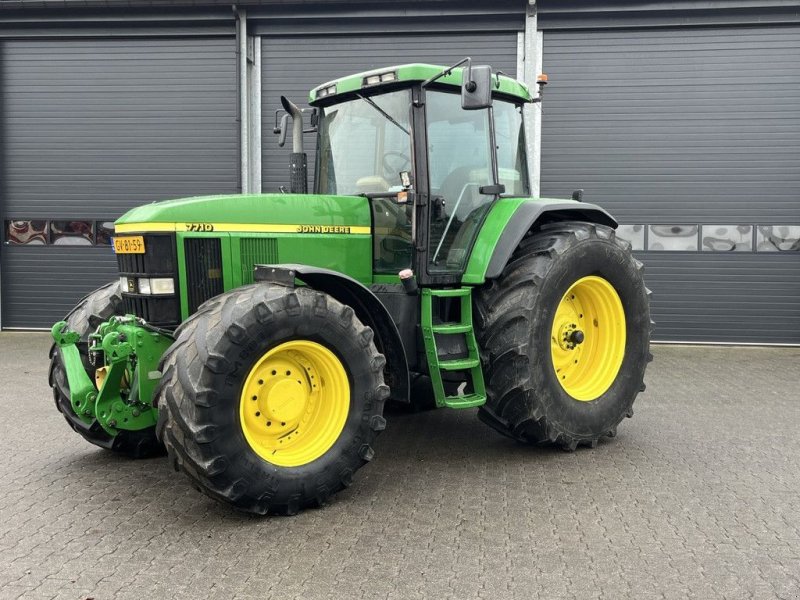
{"x": 234, "y": 220}
{"x": 502, "y": 84}
{"x": 501, "y": 213}
{"x": 124, "y": 401}
{"x": 125, "y": 398}
{"x": 326, "y": 231}
{"x": 255, "y": 209}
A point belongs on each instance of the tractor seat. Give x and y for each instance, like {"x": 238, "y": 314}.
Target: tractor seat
{"x": 372, "y": 184}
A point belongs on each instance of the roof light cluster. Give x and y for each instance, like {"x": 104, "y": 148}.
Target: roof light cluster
{"x": 380, "y": 78}
{"x": 326, "y": 91}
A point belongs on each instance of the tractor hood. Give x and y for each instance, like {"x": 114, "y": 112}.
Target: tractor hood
{"x": 276, "y": 213}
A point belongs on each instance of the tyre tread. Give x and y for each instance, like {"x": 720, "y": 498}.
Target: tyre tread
{"x": 504, "y": 310}
{"x": 186, "y": 419}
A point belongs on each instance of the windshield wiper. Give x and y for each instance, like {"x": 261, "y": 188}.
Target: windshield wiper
{"x": 384, "y": 113}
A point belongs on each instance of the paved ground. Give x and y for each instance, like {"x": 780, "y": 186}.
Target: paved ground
{"x": 696, "y": 497}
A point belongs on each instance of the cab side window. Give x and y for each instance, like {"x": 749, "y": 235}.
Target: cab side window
{"x": 459, "y": 163}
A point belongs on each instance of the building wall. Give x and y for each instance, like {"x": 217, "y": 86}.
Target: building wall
{"x": 676, "y": 115}
{"x": 689, "y": 135}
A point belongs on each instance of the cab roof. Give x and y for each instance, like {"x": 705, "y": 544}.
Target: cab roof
{"x": 390, "y": 76}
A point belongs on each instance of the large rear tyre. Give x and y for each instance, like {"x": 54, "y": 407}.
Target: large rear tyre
{"x": 94, "y": 309}
{"x": 271, "y": 398}
{"x": 565, "y": 336}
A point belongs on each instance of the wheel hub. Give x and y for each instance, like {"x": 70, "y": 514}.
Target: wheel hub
{"x": 569, "y": 335}
{"x": 286, "y": 399}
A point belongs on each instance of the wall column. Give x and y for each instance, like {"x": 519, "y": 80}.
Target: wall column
{"x": 530, "y": 59}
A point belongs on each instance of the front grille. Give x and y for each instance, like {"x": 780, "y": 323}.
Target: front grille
{"x": 159, "y": 260}
{"x": 203, "y": 270}
{"x": 156, "y": 310}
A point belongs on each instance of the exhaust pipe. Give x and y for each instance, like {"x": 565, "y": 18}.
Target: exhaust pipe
{"x": 298, "y": 162}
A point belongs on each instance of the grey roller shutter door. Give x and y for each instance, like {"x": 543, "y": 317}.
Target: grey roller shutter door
{"x": 293, "y": 65}
{"x": 94, "y": 127}
{"x": 687, "y": 127}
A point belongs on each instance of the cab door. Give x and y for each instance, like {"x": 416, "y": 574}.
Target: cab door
{"x": 459, "y": 166}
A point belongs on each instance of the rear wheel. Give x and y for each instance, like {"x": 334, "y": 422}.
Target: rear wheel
{"x": 271, "y": 398}
{"x": 94, "y": 309}
{"x": 565, "y": 334}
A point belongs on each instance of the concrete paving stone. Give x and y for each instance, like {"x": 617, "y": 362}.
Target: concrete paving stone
{"x": 695, "y": 498}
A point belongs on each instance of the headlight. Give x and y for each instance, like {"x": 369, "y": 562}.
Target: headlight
{"x": 156, "y": 285}
{"x": 165, "y": 285}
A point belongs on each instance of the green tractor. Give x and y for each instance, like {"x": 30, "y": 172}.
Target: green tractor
{"x": 257, "y": 337}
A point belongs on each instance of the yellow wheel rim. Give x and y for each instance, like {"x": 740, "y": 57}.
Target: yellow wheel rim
{"x": 588, "y": 338}
{"x": 294, "y": 403}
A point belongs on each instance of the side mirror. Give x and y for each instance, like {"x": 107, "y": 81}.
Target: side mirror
{"x": 476, "y": 90}
{"x": 281, "y": 130}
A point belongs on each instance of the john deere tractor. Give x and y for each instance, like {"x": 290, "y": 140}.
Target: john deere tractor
{"x": 257, "y": 337}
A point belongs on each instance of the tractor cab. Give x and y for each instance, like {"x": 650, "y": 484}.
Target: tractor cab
{"x": 432, "y": 148}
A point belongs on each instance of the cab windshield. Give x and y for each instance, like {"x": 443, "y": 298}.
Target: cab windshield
{"x": 364, "y": 144}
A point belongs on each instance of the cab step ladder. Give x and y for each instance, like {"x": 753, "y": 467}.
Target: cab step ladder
{"x": 471, "y": 363}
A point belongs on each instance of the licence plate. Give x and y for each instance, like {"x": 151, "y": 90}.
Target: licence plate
{"x": 129, "y": 245}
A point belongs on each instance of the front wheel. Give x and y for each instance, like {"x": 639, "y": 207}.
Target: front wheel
{"x": 565, "y": 333}
{"x": 271, "y": 398}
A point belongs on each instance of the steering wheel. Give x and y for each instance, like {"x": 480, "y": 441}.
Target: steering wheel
{"x": 394, "y": 163}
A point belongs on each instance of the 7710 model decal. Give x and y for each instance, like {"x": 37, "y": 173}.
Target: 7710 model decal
{"x": 199, "y": 227}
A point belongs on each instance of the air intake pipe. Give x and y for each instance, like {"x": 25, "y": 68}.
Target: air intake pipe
{"x": 298, "y": 162}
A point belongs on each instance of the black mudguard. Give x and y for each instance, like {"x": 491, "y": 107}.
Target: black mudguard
{"x": 368, "y": 309}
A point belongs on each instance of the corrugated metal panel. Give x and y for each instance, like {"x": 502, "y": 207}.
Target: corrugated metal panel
{"x": 591, "y": 14}
{"x": 95, "y": 127}
{"x": 41, "y": 284}
{"x": 77, "y": 19}
{"x": 750, "y": 298}
{"x": 389, "y": 18}
{"x": 292, "y": 66}
{"x": 686, "y": 127}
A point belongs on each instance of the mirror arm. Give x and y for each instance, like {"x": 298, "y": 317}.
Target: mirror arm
{"x": 449, "y": 70}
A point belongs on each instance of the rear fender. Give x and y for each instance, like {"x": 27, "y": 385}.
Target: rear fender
{"x": 510, "y": 220}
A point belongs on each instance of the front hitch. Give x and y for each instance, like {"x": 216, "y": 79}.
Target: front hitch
{"x": 82, "y": 392}
{"x": 122, "y": 398}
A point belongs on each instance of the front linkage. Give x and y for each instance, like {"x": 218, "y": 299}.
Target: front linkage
{"x": 121, "y": 397}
